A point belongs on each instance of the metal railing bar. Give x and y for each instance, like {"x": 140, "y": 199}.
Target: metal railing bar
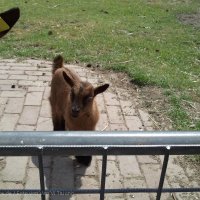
{"x": 123, "y": 150}
{"x": 41, "y": 172}
{"x": 103, "y": 175}
{"x": 163, "y": 172}
{"x": 100, "y": 138}
{"x": 97, "y": 191}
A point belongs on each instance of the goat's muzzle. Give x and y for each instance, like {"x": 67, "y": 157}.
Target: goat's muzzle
{"x": 75, "y": 111}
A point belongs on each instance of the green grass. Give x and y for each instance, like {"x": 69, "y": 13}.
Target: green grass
{"x": 178, "y": 114}
{"x": 155, "y": 47}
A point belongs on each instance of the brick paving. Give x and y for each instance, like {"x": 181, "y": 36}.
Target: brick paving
{"x": 24, "y": 106}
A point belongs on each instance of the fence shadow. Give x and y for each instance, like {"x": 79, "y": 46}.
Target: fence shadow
{"x": 59, "y": 173}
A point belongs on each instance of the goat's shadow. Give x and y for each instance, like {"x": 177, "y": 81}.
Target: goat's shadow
{"x": 60, "y": 173}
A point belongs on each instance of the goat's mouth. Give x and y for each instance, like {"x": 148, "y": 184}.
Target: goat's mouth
{"x": 75, "y": 114}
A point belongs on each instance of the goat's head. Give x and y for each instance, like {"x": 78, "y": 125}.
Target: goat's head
{"x": 82, "y": 95}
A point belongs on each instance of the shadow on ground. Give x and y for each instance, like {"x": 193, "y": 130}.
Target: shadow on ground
{"x": 59, "y": 174}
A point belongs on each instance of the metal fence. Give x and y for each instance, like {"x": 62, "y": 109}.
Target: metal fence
{"x": 42, "y": 144}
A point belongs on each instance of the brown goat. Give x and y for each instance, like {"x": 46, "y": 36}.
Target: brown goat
{"x": 73, "y": 102}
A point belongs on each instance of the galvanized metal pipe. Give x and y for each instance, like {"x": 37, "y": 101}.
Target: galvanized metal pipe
{"x": 95, "y": 138}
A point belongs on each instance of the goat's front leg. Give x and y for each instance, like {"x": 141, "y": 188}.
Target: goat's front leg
{"x": 58, "y": 124}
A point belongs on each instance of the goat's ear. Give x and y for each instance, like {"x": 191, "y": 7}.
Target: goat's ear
{"x": 100, "y": 89}
{"x": 68, "y": 79}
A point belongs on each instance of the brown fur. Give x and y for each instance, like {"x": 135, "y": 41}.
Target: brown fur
{"x": 66, "y": 86}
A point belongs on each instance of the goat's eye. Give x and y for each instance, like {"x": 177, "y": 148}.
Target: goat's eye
{"x": 87, "y": 99}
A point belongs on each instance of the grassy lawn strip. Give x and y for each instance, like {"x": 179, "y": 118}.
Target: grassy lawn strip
{"x": 143, "y": 38}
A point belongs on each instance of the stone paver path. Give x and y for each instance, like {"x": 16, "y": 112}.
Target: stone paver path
{"x": 24, "y": 106}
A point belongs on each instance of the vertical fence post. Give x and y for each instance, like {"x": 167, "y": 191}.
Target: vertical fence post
{"x": 163, "y": 172}
{"x": 41, "y": 171}
{"x": 103, "y": 175}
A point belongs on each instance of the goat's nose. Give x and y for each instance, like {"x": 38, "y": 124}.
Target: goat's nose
{"x": 75, "y": 111}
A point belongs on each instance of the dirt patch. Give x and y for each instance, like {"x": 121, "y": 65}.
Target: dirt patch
{"x": 148, "y": 98}
{"x": 157, "y": 104}
{"x": 190, "y": 19}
